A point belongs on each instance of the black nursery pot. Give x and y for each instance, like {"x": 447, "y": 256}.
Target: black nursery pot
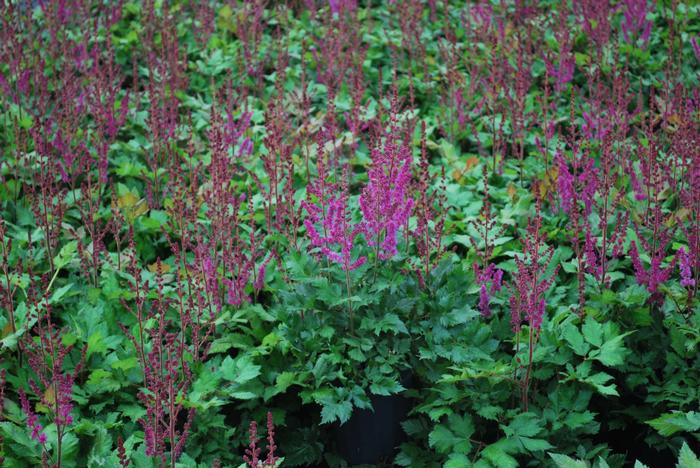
{"x": 370, "y": 437}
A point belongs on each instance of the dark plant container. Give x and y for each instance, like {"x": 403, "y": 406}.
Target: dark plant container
{"x": 370, "y": 437}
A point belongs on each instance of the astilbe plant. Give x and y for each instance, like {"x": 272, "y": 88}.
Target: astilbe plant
{"x": 528, "y": 287}
{"x": 166, "y": 358}
{"x": 385, "y": 201}
{"x": 635, "y": 25}
{"x": 684, "y": 146}
{"x": 430, "y": 213}
{"x": 486, "y": 229}
{"x": 653, "y": 231}
{"x": 252, "y": 453}
{"x": 53, "y": 386}
{"x": 231, "y": 255}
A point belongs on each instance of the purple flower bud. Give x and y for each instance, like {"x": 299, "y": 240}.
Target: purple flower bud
{"x": 687, "y": 280}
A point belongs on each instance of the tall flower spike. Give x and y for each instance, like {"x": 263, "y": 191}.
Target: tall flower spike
{"x": 385, "y": 201}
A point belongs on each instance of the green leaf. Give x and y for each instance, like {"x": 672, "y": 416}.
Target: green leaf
{"x": 593, "y": 332}
{"x": 457, "y": 460}
{"x": 285, "y": 380}
{"x": 686, "y": 458}
{"x": 677, "y": 421}
{"x": 497, "y": 454}
{"x": 613, "y": 352}
{"x": 332, "y": 410}
{"x": 385, "y": 386}
{"x": 575, "y": 340}
{"x": 535, "y": 445}
{"x": 126, "y": 364}
{"x": 599, "y": 380}
{"x": 564, "y": 461}
{"x": 240, "y": 370}
{"x": 453, "y": 436}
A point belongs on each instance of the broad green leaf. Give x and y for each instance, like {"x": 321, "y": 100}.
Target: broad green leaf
{"x": 686, "y": 458}
{"x": 564, "y": 461}
{"x": 677, "y": 421}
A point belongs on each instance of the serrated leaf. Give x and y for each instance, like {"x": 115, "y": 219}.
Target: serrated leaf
{"x": 575, "y": 340}
{"x": 677, "y": 421}
{"x": 686, "y": 458}
{"x": 240, "y": 370}
{"x": 340, "y": 410}
{"x": 564, "y": 461}
{"x": 593, "y": 332}
{"x": 613, "y": 352}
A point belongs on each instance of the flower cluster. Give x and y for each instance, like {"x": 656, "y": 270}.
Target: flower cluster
{"x": 385, "y": 202}
{"x": 32, "y": 419}
{"x": 492, "y": 275}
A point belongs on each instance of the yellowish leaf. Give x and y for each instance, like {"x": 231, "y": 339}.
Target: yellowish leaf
{"x": 164, "y": 267}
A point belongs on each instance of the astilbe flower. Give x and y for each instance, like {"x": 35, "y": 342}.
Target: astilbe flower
{"x": 635, "y": 24}
{"x": 385, "y": 201}
{"x": 578, "y": 184}
{"x": 492, "y": 275}
{"x": 696, "y": 47}
{"x": 687, "y": 280}
{"x": 46, "y": 355}
{"x": 327, "y": 223}
{"x": 33, "y": 424}
{"x": 483, "y": 244}
{"x": 430, "y": 213}
{"x": 529, "y": 285}
{"x": 252, "y": 453}
{"x": 562, "y": 69}
{"x": 656, "y": 274}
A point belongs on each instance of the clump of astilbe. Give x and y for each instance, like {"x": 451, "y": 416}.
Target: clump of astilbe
{"x": 46, "y": 355}
{"x": 495, "y": 85}
{"x": 409, "y": 14}
{"x": 333, "y": 50}
{"x": 577, "y": 184}
{"x": 102, "y": 95}
{"x": 685, "y": 147}
{"x": 8, "y": 271}
{"x": 162, "y": 349}
{"x": 386, "y": 201}
{"x": 460, "y": 86}
{"x": 594, "y": 16}
{"x": 328, "y": 223}
{"x": 561, "y": 68}
{"x": 521, "y": 79}
{"x": 250, "y": 25}
{"x": 430, "y": 212}
{"x": 338, "y": 7}
{"x": 653, "y": 232}
{"x": 528, "y": 288}
{"x": 635, "y": 25}
{"x": 252, "y": 453}
{"x": 232, "y": 254}
{"x": 483, "y": 244}
{"x": 603, "y": 133}
{"x": 282, "y": 212}
{"x": 167, "y": 65}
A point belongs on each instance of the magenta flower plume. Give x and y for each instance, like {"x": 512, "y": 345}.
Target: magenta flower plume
{"x": 492, "y": 275}
{"x": 687, "y": 280}
{"x": 634, "y": 21}
{"x": 656, "y": 275}
{"x": 696, "y": 47}
{"x": 32, "y": 419}
{"x": 385, "y": 201}
{"x": 327, "y": 223}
